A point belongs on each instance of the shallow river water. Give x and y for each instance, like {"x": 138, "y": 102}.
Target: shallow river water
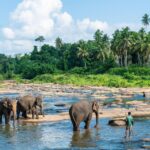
{"x": 44, "y": 136}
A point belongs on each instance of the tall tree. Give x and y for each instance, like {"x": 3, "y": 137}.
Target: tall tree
{"x": 58, "y": 43}
{"x": 83, "y": 52}
{"x": 145, "y": 20}
{"x": 40, "y": 39}
{"x": 101, "y": 45}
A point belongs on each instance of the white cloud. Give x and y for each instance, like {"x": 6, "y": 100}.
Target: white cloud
{"x": 32, "y": 18}
{"x": 89, "y": 26}
{"x": 12, "y": 47}
{"x": 8, "y": 33}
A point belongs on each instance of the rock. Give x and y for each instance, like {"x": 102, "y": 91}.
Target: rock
{"x": 117, "y": 122}
{"x": 146, "y": 146}
{"x": 118, "y": 101}
{"x": 146, "y": 139}
{"x": 60, "y": 105}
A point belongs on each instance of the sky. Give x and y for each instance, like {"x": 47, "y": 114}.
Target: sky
{"x": 21, "y": 21}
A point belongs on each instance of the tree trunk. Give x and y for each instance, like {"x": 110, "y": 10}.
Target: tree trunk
{"x": 126, "y": 59}
{"x": 139, "y": 59}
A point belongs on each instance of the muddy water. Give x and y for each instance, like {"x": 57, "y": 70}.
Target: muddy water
{"x": 59, "y": 135}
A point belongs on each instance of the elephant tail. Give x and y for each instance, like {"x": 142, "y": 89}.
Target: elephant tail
{"x": 72, "y": 116}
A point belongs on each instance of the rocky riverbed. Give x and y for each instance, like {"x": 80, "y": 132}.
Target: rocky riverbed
{"x": 115, "y": 102}
{"x": 55, "y": 129}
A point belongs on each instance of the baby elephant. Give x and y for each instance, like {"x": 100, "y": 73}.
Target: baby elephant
{"x": 82, "y": 111}
{"x": 29, "y": 103}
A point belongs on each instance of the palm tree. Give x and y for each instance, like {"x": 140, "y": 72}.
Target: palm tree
{"x": 125, "y": 44}
{"x": 102, "y": 45}
{"x": 83, "y": 52}
{"x": 40, "y": 39}
{"x": 58, "y": 43}
{"x": 145, "y": 20}
{"x": 121, "y": 44}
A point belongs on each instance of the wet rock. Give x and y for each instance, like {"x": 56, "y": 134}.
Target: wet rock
{"x": 117, "y": 122}
{"x": 146, "y": 139}
{"x": 60, "y": 105}
{"x": 146, "y": 146}
{"x": 118, "y": 101}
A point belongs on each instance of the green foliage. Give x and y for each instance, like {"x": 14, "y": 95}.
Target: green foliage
{"x": 1, "y": 77}
{"x": 92, "y": 62}
{"x": 137, "y": 71}
{"x": 78, "y": 70}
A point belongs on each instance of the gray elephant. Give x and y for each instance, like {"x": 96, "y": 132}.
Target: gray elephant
{"x": 6, "y": 108}
{"x": 82, "y": 111}
{"x": 29, "y": 103}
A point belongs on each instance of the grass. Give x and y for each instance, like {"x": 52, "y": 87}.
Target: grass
{"x": 115, "y": 77}
{"x": 92, "y": 80}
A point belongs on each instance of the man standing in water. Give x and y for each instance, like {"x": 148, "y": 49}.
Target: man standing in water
{"x": 129, "y": 125}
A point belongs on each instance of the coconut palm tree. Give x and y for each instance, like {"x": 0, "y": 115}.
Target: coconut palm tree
{"x": 83, "y": 52}
{"x": 121, "y": 44}
{"x": 40, "y": 39}
{"x": 145, "y": 20}
{"x": 102, "y": 45}
{"x": 58, "y": 43}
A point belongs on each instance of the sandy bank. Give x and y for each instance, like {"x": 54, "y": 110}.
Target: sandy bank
{"x": 106, "y": 113}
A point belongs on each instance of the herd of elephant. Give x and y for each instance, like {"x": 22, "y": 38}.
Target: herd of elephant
{"x": 80, "y": 111}
{"x": 24, "y": 105}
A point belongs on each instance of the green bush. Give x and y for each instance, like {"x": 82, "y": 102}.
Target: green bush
{"x": 1, "y": 77}
{"x": 138, "y": 71}
{"x": 78, "y": 70}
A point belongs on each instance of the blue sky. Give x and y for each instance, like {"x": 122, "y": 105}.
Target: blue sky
{"x": 69, "y": 19}
{"x": 112, "y": 11}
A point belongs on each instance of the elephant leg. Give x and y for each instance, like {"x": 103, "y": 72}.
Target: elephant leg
{"x": 33, "y": 112}
{"x": 36, "y": 112}
{"x": 18, "y": 113}
{"x": 6, "y": 119}
{"x": 9, "y": 116}
{"x": 87, "y": 122}
{"x": 25, "y": 114}
{"x": 75, "y": 125}
{"x": 0, "y": 118}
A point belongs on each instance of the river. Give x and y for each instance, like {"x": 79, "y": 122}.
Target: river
{"x": 44, "y": 136}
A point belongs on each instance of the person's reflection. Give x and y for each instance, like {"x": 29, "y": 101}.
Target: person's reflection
{"x": 84, "y": 139}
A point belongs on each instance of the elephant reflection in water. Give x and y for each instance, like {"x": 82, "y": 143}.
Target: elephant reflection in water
{"x": 85, "y": 139}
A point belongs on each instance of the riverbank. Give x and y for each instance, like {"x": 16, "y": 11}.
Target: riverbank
{"x": 120, "y": 97}
{"x": 105, "y": 113}
{"x": 48, "y": 89}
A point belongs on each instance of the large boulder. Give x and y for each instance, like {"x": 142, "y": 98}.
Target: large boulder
{"x": 117, "y": 122}
{"x": 146, "y": 146}
{"x": 146, "y": 139}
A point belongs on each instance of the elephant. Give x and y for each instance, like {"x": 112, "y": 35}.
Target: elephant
{"x": 29, "y": 103}
{"x": 82, "y": 111}
{"x": 14, "y": 109}
{"x": 6, "y": 107}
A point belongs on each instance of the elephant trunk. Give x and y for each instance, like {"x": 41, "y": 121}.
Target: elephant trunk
{"x": 14, "y": 117}
{"x": 41, "y": 110}
{"x": 97, "y": 119}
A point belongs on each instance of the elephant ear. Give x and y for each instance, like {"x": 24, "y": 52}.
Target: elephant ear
{"x": 38, "y": 100}
{"x": 94, "y": 106}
